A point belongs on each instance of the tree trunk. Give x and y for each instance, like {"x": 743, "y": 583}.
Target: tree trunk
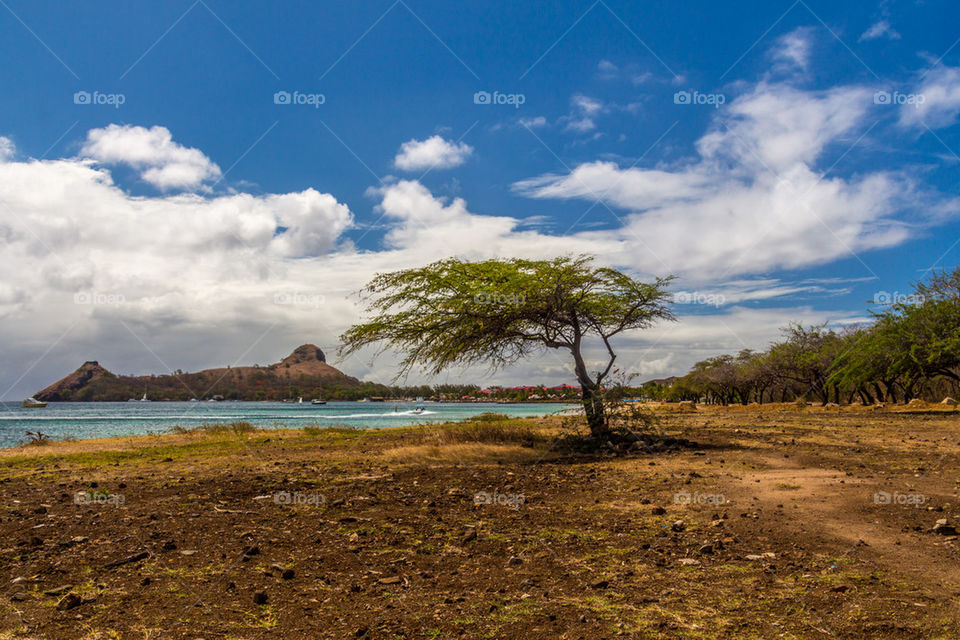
{"x": 593, "y": 410}
{"x": 591, "y": 396}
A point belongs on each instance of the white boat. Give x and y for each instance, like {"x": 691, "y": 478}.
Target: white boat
{"x": 417, "y": 410}
{"x": 318, "y": 401}
{"x": 144, "y": 398}
{"x": 33, "y": 403}
{"x": 300, "y": 400}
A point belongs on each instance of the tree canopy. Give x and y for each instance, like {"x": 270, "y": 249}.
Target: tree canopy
{"x": 496, "y": 312}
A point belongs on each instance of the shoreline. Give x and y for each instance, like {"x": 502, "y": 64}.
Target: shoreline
{"x": 170, "y": 436}
{"x": 177, "y": 432}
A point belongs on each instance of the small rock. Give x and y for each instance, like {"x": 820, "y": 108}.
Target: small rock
{"x": 69, "y": 601}
{"x": 689, "y": 562}
{"x": 260, "y": 597}
{"x": 944, "y": 528}
{"x": 469, "y": 536}
{"x": 658, "y": 511}
{"x": 252, "y": 550}
{"x": 514, "y": 561}
{"x": 706, "y": 549}
{"x": 679, "y": 525}
{"x": 602, "y": 584}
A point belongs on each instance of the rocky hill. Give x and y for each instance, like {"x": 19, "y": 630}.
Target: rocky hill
{"x": 304, "y": 372}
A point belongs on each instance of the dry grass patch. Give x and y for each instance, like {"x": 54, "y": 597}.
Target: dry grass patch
{"x": 462, "y": 453}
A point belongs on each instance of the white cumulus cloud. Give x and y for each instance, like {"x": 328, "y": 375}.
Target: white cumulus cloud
{"x": 162, "y": 162}
{"x": 753, "y": 199}
{"x": 433, "y": 153}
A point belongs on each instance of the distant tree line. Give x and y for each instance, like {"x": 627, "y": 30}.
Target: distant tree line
{"x": 910, "y": 350}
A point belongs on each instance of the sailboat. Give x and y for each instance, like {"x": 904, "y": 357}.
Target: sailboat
{"x": 318, "y": 401}
{"x": 144, "y": 398}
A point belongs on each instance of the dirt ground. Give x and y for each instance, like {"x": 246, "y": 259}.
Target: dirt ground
{"x": 783, "y": 522}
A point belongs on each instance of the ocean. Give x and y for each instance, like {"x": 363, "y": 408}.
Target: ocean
{"x": 83, "y": 420}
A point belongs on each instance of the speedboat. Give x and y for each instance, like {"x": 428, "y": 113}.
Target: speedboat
{"x": 417, "y": 410}
{"x": 33, "y": 403}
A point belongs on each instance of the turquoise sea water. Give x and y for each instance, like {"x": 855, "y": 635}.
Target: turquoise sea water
{"x": 82, "y": 420}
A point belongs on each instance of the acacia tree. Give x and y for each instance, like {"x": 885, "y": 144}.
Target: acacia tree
{"x": 454, "y": 312}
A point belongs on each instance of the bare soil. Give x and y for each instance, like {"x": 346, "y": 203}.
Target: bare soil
{"x": 773, "y": 526}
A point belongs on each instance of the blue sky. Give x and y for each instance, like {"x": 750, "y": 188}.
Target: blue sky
{"x": 788, "y": 160}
